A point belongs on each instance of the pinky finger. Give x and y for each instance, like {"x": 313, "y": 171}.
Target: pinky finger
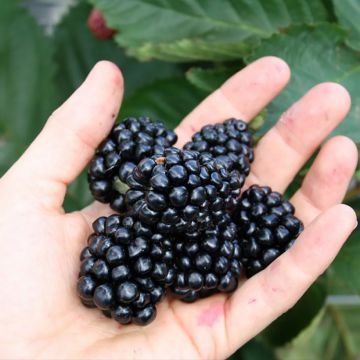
{"x": 273, "y": 291}
{"x": 326, "y": 182}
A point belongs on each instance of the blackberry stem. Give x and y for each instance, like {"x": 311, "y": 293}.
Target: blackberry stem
{"x": 119, "y": 186}
{"x": 160, "y": 160}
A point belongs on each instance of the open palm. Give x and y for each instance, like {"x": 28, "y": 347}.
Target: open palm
{"x": 41, "y": 315}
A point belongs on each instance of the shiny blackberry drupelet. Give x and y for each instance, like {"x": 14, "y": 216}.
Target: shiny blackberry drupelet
{"x": 125, "y": 269}
{"x": 209, "y": 263}
{"x": 266, "y": 225}
{"x": 181, "y": 191}
{"x": 128, "y": 142}
{"x": 230, "y": 142}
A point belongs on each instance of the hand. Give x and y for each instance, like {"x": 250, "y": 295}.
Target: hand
{"x": 41, "y": 315}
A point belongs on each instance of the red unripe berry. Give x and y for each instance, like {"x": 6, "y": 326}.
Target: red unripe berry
{"x": 98, "y": 27}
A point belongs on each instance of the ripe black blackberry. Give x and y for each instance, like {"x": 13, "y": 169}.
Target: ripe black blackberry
{"x": 128, "y": 142}
{"x": 267, "y": 227}
{"x": 209, "y": 263}
{"x": 181, "y": 191}
{"x": 230, "y": 142}
{"x": 125, "y": 269}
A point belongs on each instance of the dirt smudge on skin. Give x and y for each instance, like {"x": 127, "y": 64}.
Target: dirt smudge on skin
{"x": 209, "y": 316}
{"x": 193, "y": 128}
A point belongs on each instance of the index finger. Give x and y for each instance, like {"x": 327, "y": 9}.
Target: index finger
{"x": 242, "y": 96}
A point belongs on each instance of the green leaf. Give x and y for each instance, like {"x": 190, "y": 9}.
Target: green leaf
{"x": 290, "y": 324}
{"x": 191, "y": 50}
{"x": 344, "y": 271}
{"x": 27, "y": 92}
{"x": 333, "y": 335}
{"x": 8, "y": 155}
{"x": 315, "y": 55}
{"x": 330, "y": 9}
{"x": 168, "y": 100}
{"x": 348, "y": 13}
{"x": 190, "y": 30}
{"x": 77, "y": 51}
{"x": 210, "y": 79}
{"x": 78, "y": 194}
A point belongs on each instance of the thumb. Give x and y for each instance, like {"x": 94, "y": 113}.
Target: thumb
{"x": 69, "y": 138}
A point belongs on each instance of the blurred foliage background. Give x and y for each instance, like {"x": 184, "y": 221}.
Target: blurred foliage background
{"x": 172, "y": 54}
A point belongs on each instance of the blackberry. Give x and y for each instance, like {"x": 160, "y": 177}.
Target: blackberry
{"x": 209, "y": 263}
{"x": 128, "y": 142}
{"x": 125, "y": 269}
{"x": 267, "y": 227}
{"x": 230, "y": 142}
{"x": 181, "y": 191}
{"x": 97, "y": 25}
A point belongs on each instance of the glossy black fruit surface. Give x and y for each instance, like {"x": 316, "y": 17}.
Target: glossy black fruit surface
{"x": 181, "y": 191}
{"x": 207, "y": 263}
{"x": 184, "y": 226}
{"x": 125, "y": 269}
{"x": 267, "y": 227}
{"x": 229, "y": 142}
{"x": 128, "y": 142}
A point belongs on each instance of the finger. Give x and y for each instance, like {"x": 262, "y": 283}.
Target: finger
{"x": 95, "y": 210}
{"x": 324, "y": 186}
{"x": 275, "y": 290}
{"x": 243, "y": 96}
{"x": 71, "y": 134}
{"x": 328, "y": 179}
{"x": 285, "y": 148}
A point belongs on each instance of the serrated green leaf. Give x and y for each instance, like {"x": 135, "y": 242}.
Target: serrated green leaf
{"x": 190, "y": 30}
{"x": 315, "y": 55}
{"x": 210, "y": 79}
{"x": 27, "y": 92}
{"x": 192, "y": 50}
{"x": 290, "y": 324}
{"x": 168, "y": 100}
{"x": 77, "y": 51}
{"x": 348, "y": 14}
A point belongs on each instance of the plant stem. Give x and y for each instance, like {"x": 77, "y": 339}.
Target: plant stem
{"x": 119, "y": 186}
{"x": 343, "y": 331}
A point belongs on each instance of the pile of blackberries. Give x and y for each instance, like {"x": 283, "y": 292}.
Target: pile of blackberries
{"x": 182, "y": 225}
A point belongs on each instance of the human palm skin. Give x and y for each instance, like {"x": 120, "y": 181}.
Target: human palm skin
{"x": 41, "y": 315}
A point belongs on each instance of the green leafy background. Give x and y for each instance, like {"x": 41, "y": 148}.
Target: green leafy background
{"x": 173, "y": 54}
